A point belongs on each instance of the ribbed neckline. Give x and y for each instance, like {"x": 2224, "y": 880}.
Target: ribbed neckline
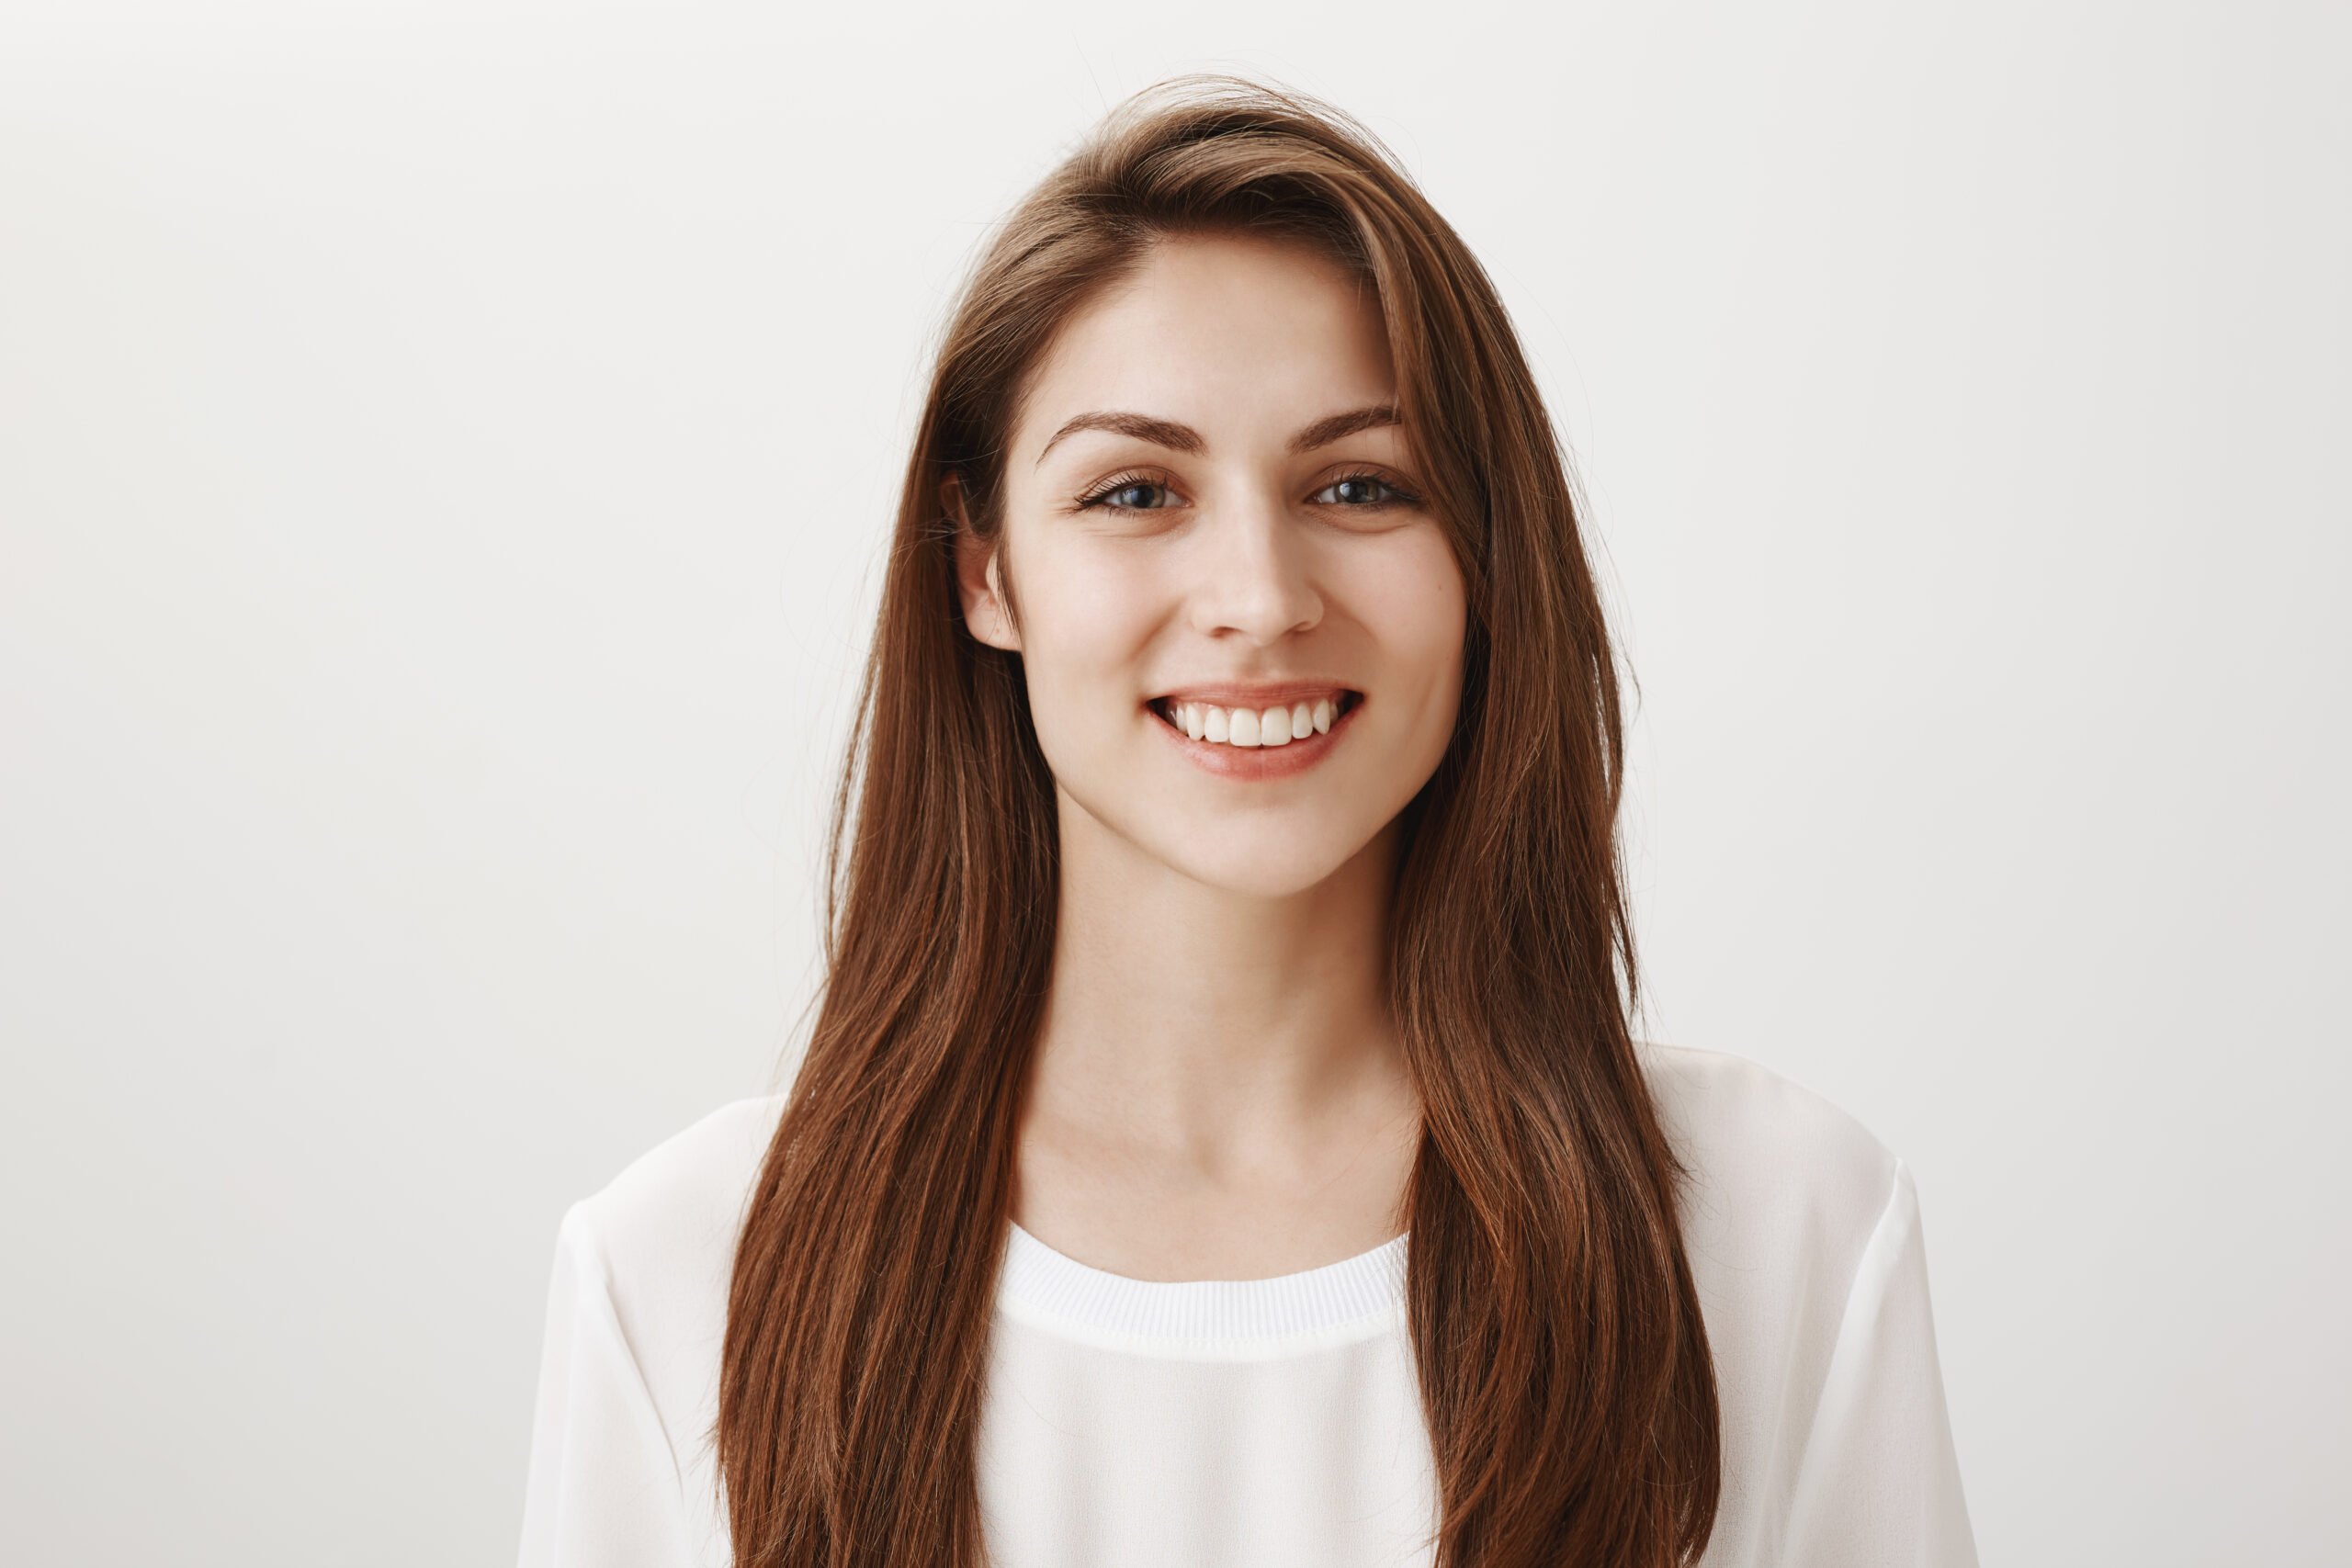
{"x": 1225, "y": 1312}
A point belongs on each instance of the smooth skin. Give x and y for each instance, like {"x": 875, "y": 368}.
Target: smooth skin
{"x": 1218, "y": 1091}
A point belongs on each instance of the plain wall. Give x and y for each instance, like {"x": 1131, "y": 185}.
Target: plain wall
{"x": 445, "y": 451}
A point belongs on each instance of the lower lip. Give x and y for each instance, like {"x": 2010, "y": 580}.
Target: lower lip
{"x": 1257, "y": 762}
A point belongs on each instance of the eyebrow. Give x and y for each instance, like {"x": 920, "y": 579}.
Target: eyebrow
{"x": 1184, "y": 438}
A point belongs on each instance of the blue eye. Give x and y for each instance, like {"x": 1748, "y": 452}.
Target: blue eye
{"x": 1122, "y": 487}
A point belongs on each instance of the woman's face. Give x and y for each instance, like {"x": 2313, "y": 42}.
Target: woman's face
{"x": 1224, "y": 536}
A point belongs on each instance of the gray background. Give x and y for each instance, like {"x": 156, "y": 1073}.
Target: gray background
{"x": 444, "y": 454}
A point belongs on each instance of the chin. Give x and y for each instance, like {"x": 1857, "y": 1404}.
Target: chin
{"x": 1294, "y": 870}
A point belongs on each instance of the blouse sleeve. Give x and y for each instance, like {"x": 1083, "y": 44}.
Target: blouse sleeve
{"x": 1879, "y": 1484}
{"x": 602, "y": 1488}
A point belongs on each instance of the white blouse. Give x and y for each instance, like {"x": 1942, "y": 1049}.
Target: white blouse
{"x": 1277, "y": 1421}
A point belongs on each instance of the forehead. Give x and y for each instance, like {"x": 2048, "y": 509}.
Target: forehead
{"x": 1219, "y": 332}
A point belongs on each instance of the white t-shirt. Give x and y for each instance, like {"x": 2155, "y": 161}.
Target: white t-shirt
{"x": 1276, "y": 1421}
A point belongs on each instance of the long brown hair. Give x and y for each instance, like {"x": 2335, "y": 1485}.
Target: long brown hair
{"x": 1566, "y": 1379}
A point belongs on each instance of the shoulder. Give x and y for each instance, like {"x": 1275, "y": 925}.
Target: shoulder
{"x": 1798, "y": 1222}
{"x": 659, "y": 1240}
{"x": 1740, "y": 1123}
{"x": 687, "y": 1189}
{"x": 699, "y": 1171}
{"x": 1785, "y": 1188}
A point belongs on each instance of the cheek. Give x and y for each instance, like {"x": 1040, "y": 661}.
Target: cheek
{"x": 1087, "y": 619}
{"x": 1413, "y": 598}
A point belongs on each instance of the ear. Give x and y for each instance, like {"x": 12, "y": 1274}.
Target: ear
{"x": 977, "y": 575}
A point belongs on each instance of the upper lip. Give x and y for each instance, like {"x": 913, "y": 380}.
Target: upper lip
{"x": 1245, "y": 694}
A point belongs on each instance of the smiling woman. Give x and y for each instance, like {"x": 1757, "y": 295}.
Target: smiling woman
{"x": 1222, "y": 1138}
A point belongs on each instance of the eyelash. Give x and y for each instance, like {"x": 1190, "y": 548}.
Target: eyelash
{"x": 1100, "y": 497}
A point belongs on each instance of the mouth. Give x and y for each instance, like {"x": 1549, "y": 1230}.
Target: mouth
{"x": 1166, "y": 709}
{"x": 1215, "y": 751}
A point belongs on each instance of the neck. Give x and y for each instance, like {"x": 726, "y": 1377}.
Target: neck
{"x": 1215, "y": 1031}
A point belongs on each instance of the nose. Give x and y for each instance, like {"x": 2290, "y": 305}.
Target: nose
{"x": 1252, "y": 575}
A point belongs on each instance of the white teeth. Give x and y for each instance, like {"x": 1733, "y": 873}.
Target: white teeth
{"x": 1277, "y": 726}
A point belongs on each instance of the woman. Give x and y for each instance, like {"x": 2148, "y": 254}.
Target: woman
{"x": 1232, "y": 898}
